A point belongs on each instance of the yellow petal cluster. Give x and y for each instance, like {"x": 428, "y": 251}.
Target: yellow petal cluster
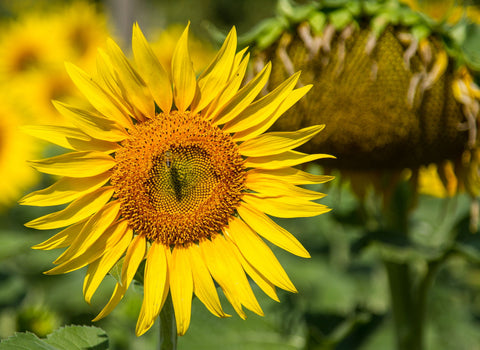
{"x": 177, "y": 171}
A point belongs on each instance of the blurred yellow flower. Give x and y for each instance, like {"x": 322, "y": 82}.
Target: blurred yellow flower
{"x": 33, "y": 47}
{"x": 15, "y": 149}
{"x": 188, "y": 188}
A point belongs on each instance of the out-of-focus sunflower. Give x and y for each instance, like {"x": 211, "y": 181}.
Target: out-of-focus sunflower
{"x": 33, "y": 45}
{"x": 27, "y": 45}
{"x": 187, "y": 188}
{"x": 84, "y": 28}
{"x": 15, "y": 149}
{"x": 396, "y": 90}
{"x": 201, "y": 51}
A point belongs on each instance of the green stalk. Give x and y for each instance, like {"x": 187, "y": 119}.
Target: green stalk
{"x": 168, "y": 327}
{"x": 407, "y": 312}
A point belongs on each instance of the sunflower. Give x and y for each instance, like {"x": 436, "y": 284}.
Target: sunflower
{"x": 84, "y": 27}
{"x": 15, "y": 149}
{"x": 396, "y": 89}
{"x": 189, "y": 189}
{"x": 27, "y": 45}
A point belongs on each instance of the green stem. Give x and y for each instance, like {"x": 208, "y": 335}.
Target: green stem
{"x": 404, "y": 307}
{"x": 168, "y": 327}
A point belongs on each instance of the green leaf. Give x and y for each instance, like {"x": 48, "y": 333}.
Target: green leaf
{"x": 78, "y": 338}
{"x": 25, "y": 341}
{"x": 66, "y": 338}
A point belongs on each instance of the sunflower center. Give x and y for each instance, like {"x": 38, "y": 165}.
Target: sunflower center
{"x": 25, "y": 60}
{"x": 179, "y": 178}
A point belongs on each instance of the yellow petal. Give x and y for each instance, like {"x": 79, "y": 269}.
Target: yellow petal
{"x": 109, "y": 241}
{"x": 181, "y": 288}
{"x": 290, "y": 175}
{"x": 136, "y": 90}
{"x": 277, "y": 142}
{"x": 237, "y": 61}
{"x": 230, "y": 89}
{"x": 244, "y": 96}
{"x": 281, "y": 189}
{"x": 258, "y": 254}
{"x": 96, "y": 227}
{"x": 98, "y": 97}
{"x": 110, "y": 81}
{"x": 261, "y": 281}
{"x": 204, "y": 287}
{"x": 212, "y": 80}
{"x": 134, "y": 256}
{"x": 93, "y": 125}
{"x": 62, "y": 239}
{"x": 155, "y": 287}
{"x": 183, "y": 75}
{"x": 59, "y": 135}
{"x": 281, "y": 208}
{"x": 98, "y": 269}
{"x": 268, "y": 229}
{"x": 151, "y": 70}
{"x": 75, "y": 212}
{"x": 117, "y": 295}
{"x": 228, "y": 272}
{"x": 65, "y": 190}
{"x": 94, "y": 145}
{"x": 264, "y": 107}
{"x": 282, "y": 160}
{"x": 75, "y": 164}
{"x": 268, "y": 120}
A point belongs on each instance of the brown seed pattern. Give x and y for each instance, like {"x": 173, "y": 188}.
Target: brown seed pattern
{"x": 179, "y": 178}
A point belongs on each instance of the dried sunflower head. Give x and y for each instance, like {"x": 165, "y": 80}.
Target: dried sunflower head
{"x": 396, "y": 88}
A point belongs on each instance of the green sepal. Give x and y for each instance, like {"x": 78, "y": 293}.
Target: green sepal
{"x": 421, "y": 31}
{"x": 341, "y": 18}
{"x": 295, "y": 13}
{"x": 317, "y": 22}
{"x": 265, "y": 33}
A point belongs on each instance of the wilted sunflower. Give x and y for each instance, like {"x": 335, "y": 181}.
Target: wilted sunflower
{"x": 186, "y": 188}
{"x": 395, "y": 88}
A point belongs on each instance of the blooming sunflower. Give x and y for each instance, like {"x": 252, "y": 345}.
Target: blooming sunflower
{"x": 187, "y": 188}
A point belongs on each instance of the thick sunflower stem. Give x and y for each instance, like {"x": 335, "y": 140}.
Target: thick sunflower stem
{"x": 408, "y": 308}
{"x": 168, "y": 327}
{"x": 408, "y": 299}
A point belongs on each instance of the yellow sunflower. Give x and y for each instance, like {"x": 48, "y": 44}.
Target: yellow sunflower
{"x": 84, "y": 28}
{"x": 188, "y": 189}
{"x": 15, "y": 149}
{"x": 27, "y": 45}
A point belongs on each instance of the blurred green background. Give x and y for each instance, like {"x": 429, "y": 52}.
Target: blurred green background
{"x": 343, "y": 300}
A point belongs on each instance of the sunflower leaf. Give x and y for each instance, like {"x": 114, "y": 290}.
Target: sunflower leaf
{"x": 66, "y": 338}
